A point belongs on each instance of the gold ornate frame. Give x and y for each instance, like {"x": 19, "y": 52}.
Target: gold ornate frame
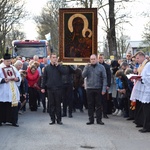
{"x": 77, "y": 34}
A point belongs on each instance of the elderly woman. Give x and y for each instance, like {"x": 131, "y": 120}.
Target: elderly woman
{"x": 18, "y": 65}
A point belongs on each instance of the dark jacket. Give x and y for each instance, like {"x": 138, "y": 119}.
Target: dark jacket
{"x": 125, "y": 85}
{"x": 68, "y": 77}
{"x": 115, "y": 66}
{"x": 52, "y": 77}
{"x": 108, "y": 73}
{"x": 78, "y": 80}
{"x": 130, "y": 63}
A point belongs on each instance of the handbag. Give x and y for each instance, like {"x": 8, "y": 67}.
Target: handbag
{"x": 36, "y": 86}
{"x": 123, "y": 95}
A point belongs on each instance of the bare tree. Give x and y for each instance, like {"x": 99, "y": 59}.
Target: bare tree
{"x": 146, "y": 33}
{"x": 146, "y": 37}
{"x": 112, "y": 18}
{"x": 15, "y": 34}
{"x": 11, "y": 11}
{"x": 48, "y": 20}
{"x": 87, "y": 3}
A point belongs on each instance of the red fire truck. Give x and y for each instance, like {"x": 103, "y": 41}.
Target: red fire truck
{"x": 29, "y": 48}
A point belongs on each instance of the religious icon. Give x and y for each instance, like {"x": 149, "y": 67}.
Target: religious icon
{"x": 78, "y": 34}
{"x": 78, "y": 42}
{"x": 9, "y": 73}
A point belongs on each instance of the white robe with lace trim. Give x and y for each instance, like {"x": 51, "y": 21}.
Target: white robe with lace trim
{"x": 5, "y": 89}
{"x": 141, "y": 91}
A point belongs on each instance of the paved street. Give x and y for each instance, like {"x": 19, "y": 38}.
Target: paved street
{"x": 35, "y": 133}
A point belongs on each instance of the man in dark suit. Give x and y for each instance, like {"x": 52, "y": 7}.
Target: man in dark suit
{"x": 108, "y": 73}
{"x": 52, "y": 80}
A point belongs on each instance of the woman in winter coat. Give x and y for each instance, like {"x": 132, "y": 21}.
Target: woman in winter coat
{"x": 32, "y": 78}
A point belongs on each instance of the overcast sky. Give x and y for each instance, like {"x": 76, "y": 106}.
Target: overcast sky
{"x": 138, "y": 21}
{"x": 134, "y": 31}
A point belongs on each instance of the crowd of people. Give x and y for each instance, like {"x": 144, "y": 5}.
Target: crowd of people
{"x": 119, "y": 88}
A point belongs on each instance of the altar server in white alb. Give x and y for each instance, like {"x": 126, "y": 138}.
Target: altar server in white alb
{"x": 141, "y": 93}
{"x": 9, "y": 92}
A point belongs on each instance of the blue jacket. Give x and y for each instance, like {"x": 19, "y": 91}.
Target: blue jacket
{"x": 118, "y": 84}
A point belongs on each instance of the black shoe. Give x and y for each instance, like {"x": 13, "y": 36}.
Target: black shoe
{"x": 105, "y": 116}
{"x": 59, "y": 122}
{"x": 74, "y": 110}
{"x": 15, "y": 125}
{"x": 70, "y": 116}
{"x": 138, "y": 126}
{"x": 64, "y": 115}
{"x": 100, "y": 122}
{"x": 51, "y": 123}
{"x": 33, "y": 109}
{"x": 81, "y": 110}
{"x": 43, "y": 110}
{"x": 130, "y": 118}
{"x": 144, "y": 130}
{"x": 89, "y": 123}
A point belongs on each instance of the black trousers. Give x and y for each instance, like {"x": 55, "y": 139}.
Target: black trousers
{"x": 33, "y": 94}
{"x": 94, "y": 100}
{"x": 104, "y": 103}
{"x": 146, "y": 114}
{"x": 43, "y": 98}
{"x": 139, "y": 113}
{"x": 131, "y": 112}
{"x": 67, "y": 98}
{"x": 7, "y": 113}
{"x": 54, "y": 101}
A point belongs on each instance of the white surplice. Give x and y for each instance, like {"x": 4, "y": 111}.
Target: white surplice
{"x": 141, "y": 90}
{"x": 6, "y": 93}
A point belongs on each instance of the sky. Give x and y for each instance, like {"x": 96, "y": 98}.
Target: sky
{"x": 134, "y": 32}
{"x": 138, "y": 22}
{"x": 33, "y": 7}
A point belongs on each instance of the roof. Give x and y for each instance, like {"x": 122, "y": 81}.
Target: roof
{"x": 136, "y": 44}
{"x": 133, "y": 46}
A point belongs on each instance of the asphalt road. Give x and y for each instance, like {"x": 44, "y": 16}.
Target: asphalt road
{"x": 35, "y": 133}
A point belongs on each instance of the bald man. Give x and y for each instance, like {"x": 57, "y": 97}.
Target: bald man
{"x": 96, "y": 82}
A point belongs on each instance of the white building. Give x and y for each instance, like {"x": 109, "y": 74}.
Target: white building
{"x": 134, "y": 46}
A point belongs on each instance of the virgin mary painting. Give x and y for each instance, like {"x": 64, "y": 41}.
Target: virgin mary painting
{"x": 77, "y": 34}
{"x": 78, "y": 37}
